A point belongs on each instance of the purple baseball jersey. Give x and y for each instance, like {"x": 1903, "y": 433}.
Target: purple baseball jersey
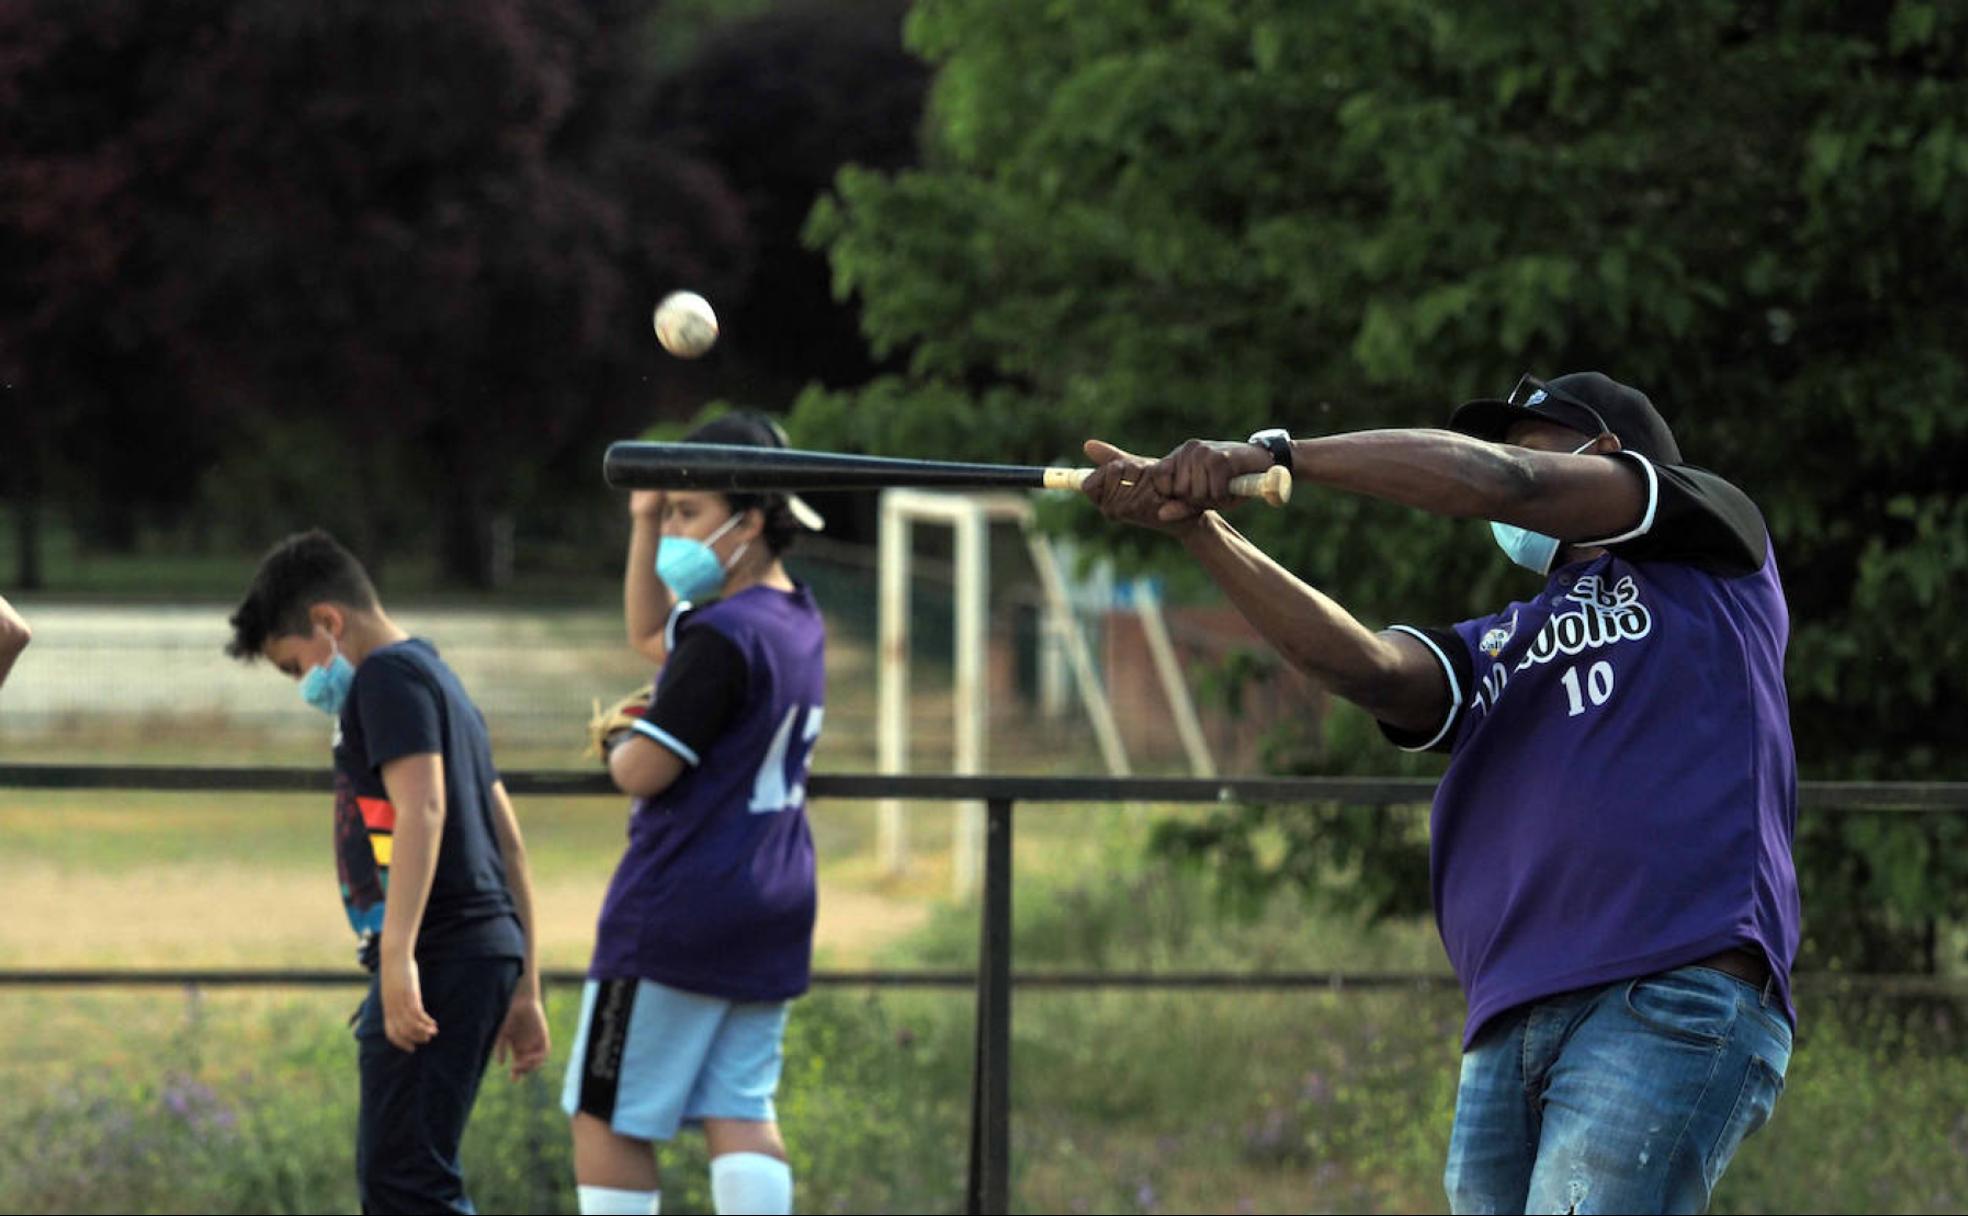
{"x": 715, "y": 893}
{"x": 1622, "y": 788}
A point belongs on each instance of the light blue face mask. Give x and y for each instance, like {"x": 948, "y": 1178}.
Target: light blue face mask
{"x": 690, "y": 567}
{"x": 1534, "y": 551}
{"x": 1531, "y": 550}
{"x": 327, "y": 687}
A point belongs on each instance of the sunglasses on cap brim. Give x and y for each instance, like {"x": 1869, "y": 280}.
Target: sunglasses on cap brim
{"x": 1530, "y": 390}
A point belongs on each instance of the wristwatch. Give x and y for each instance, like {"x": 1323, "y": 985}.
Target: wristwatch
{"x": 1277, "y": 441}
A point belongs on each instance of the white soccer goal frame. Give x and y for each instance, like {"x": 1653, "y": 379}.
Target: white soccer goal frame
{"x": 971, "y": 516}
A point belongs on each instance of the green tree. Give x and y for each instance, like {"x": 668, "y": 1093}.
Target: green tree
{"x": 390, "y": 266}
{"x": 1146, "y": 222}
{"x": 236, "y": 226}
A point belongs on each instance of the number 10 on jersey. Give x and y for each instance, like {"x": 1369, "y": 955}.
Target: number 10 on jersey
{"x": 1598, "y": 686}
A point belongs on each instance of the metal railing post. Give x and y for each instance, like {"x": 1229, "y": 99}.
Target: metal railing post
{"x": 990, "y": 1094}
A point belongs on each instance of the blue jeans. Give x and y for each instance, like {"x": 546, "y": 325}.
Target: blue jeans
{"x": 1631, "y": 1097}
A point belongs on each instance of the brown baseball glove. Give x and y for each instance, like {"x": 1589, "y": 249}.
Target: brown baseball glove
{"x": 609, "y": 726}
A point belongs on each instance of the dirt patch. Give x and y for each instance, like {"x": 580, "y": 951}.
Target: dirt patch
{"x": 225, "y": 915}
{"x": 855, "y": 925}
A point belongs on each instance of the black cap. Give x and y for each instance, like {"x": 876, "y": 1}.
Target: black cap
{"x": 1587, "y": 402}
{"x": 748, "y": 428}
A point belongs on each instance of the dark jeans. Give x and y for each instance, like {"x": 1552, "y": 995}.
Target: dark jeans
{"x": 414, "y": 1104}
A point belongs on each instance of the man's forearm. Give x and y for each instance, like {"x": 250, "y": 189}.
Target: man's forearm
{"x": 1437, "y": 471}
{"x": 1559, "y": 493}
{"x": 1312, "y": 631}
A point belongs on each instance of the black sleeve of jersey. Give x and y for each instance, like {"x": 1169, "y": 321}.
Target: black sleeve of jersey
{"x": 398, "y": 710}
{"x": 1458, "y": 675}
{"x": 699, "y": 693}
{"x": 1696, "y": 518}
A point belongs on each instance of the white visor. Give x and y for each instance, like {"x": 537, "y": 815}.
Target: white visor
{"x": 808, "y": 518}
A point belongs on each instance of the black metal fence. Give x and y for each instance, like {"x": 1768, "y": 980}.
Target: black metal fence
{"x": 990, "y": 1157}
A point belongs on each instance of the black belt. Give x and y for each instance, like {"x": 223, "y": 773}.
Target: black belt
{"x": 1743, "y": 962}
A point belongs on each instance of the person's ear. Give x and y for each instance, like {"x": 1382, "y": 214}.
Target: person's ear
{"x": 329, "y": 617}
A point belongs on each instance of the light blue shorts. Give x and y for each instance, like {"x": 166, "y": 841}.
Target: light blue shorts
{"x": 649, "y": 1058}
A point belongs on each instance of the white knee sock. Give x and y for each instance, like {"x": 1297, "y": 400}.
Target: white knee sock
{"x": 751, "y": 1183}
{"x": 609, "y": 1201}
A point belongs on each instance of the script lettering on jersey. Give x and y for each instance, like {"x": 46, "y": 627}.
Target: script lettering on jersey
{"x": 1598, "y": 614}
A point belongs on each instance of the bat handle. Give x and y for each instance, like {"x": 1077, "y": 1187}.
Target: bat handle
{"x": 1273, "y": 485}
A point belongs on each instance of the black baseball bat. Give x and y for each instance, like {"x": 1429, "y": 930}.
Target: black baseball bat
{"x": 730, "y": 467}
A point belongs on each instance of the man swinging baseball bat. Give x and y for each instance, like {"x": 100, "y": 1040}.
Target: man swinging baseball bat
{"x": 1610, "y": 845}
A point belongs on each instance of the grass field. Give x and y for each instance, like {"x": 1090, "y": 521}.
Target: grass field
{"x": 171, "y": 879}
{"x": 231, "y": 1100}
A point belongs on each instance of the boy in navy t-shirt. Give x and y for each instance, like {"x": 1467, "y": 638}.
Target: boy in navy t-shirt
{"x": 1610, "y": 846}
{"x": 433, "y": 870}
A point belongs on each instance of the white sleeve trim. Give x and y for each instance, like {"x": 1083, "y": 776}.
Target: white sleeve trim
{"x": 645, "y": 727}
{"x": 1455, "y": 687}
{"x": 670, "y": 627}
{"x": 1646, "y": 518}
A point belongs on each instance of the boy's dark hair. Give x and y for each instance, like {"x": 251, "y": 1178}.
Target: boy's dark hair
{"x": 306, "y": 569}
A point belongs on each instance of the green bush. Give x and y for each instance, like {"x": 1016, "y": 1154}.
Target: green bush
{"x": 244, "y": 1109}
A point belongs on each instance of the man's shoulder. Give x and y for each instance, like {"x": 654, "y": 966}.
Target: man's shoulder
{"x": 1696, "y": 517}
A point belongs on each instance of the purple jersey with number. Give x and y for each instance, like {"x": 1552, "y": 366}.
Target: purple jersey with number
{"x": 1622, "y": 787}
{"x": 715, "y": 893}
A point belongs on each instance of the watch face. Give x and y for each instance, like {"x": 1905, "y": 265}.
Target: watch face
{"x": 1276, "y": 441}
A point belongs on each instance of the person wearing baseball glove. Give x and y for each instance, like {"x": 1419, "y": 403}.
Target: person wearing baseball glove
{"x": 706, "y": 933}
{"x": 1610, "y": 845}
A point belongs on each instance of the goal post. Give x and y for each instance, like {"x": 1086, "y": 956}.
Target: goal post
{"x": 970, "y": 517}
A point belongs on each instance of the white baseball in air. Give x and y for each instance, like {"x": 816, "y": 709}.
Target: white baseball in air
{"x": 685, "y": 324}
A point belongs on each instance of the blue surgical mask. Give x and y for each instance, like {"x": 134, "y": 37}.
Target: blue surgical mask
{"x": 326, "y": 687}
{"x": 690, "y": 567}
{"x": 1534, "y": 551}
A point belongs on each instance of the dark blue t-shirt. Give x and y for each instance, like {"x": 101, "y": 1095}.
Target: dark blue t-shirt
{"x": 404, "y": 702}
{"x": 1622, "y": 787}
